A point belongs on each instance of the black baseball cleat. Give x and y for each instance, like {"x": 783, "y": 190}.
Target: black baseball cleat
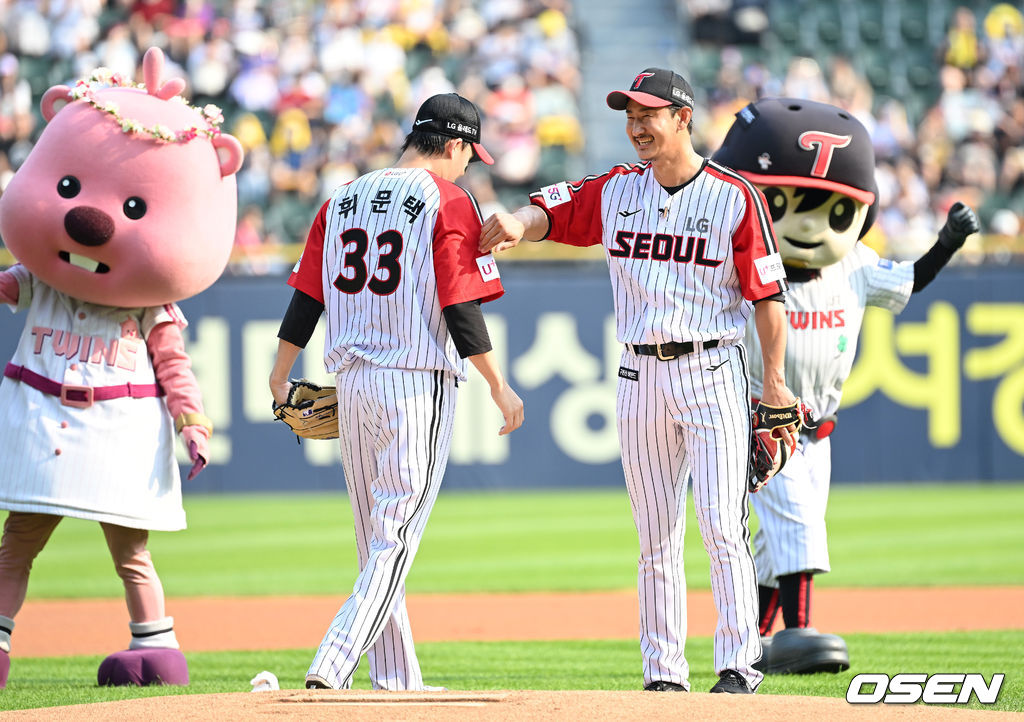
{"x": 732, "y": 682}
{"x": 662, "y": 686}
{"x": 315, "y": 684}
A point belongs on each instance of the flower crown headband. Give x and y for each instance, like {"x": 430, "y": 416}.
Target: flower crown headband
{"x": 104, "y": 77}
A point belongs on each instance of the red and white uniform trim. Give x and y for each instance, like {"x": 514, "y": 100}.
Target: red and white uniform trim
{"x": 684, "y": 267}
{"x": 385, "y": 255}
{"x": 681, "y": 265}
{"x": 399, "y": 231}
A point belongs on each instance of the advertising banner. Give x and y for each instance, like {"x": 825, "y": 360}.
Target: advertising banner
{"x": 936, "y": 393}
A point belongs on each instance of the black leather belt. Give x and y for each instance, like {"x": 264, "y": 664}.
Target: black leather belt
{"x": 669, "y": 351}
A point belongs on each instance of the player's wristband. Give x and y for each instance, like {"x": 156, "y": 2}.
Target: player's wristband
{"x": 192, "y": 419}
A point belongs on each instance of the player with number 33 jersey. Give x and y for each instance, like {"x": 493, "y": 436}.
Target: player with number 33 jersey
{"x": 392, "y": 258}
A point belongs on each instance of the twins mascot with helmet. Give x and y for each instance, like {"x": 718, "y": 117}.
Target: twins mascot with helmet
{"x": 815, "y": 165}
{"x": 125, "y": 205}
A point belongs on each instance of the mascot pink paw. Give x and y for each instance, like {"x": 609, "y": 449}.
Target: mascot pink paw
{"x": 198, "y": 448}
{"x": 144, "y": 667}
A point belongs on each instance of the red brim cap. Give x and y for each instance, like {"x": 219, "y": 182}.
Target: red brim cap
{"x": 618, "y": 99}
{"x": 866, "y": 197}
{"x": 480, "y": 153}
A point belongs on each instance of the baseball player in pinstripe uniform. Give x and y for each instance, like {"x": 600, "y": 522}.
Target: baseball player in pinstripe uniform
{"x": 815, "y": 165}
{"x": 392, "y": 257}
{"x": 690, "y": 246}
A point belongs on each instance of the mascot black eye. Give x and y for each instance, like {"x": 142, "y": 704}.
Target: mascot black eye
{"x": 777, "y": 202}
{"x": 841, "y": 215}
{"x": 68, "y": 187}
{"x": 134, "y": 208}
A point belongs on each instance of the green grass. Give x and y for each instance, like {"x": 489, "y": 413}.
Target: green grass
{"x": 604, "y": 665}
{"x": 905, "y": 535}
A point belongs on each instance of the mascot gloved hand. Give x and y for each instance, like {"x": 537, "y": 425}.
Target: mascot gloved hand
{"x": 126, "y": 205}
{"x": 815, "y": 165}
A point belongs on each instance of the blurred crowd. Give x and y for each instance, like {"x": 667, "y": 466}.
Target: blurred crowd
{"x": 967, "y": 144}
{"x": 317, "y": 92}
{"x": 320, "y": 92}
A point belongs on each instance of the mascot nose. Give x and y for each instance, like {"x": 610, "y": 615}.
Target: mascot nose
{"x": 89, "y": 226}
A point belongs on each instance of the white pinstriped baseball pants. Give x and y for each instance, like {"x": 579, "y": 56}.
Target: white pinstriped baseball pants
{"x": 395, "y": 436}
{"x": 690, "y": 416}
{"x": 791, "y": 535}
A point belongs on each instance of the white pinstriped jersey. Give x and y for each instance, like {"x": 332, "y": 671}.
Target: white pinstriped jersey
{"x": 825, "y": 317}
{"x": 385, "y": 255}
{"x": 684, "y": 267}
{"x": 681, "y": 265}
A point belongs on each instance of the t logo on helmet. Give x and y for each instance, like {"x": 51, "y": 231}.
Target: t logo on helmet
{"x": 639, "y": 79}
{"x": 826, "y": 144}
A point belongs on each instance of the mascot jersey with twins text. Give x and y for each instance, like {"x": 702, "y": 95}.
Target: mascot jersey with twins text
{"x": 815, "y": 164}
{"x": 126, "y": 205}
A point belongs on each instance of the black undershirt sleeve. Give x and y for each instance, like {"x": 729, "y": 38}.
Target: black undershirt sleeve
{"x": 300, "y": 319}
{"x": 780, "y": 297}
{"x": 466, "y": 325}
{"x": 927, "y": 266}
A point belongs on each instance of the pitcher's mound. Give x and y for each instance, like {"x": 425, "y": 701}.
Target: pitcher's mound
{"x": 592, "y": 706}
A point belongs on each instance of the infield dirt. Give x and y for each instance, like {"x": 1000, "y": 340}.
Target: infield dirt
{"x": 522, "y": 705}
{"x": 253, "y": 623}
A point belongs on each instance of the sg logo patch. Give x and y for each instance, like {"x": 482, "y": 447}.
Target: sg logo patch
{"x": 556, "y": 195}
{"x": 630, "y": 374}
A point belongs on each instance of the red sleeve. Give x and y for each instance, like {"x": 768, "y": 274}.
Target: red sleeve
{"x": 307, "y": 276}
{"x": 754, "y": 249}
{"x": 574, "y": 211}
{"x": 462, "y": 272}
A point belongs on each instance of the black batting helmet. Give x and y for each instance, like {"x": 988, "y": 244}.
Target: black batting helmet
{"x": 802, "y": 143}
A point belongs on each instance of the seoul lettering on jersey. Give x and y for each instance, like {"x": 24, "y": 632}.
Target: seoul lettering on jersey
{"x": 696, "y": 249}
{"x": 662, "y": 247}
{"x": 686, "y": 273}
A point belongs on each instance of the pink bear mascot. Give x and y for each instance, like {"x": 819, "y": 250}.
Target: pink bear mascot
{"x": 126, "y": 205}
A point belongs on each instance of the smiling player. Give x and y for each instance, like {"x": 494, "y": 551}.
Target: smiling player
{"x": 691, "y": 253}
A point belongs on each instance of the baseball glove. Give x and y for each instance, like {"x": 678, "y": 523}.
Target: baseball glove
{"x": 768, "y": 453}
{"x": 311, "y": 410}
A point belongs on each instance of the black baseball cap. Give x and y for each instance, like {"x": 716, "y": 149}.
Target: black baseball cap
{"x": 654, "y": 88}
{"x": 451, "y": 115}
{"x": 803, "y": 143}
